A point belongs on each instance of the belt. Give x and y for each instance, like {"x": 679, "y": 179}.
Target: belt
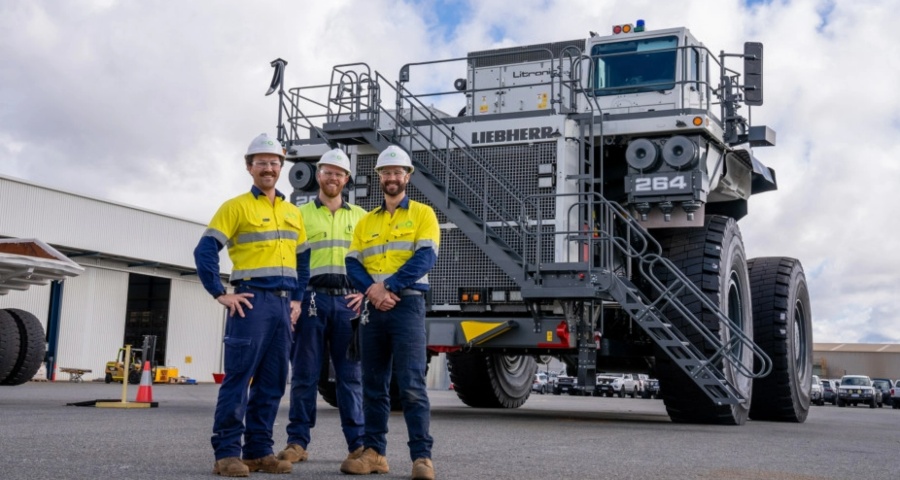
{"x": 409, "y": 292}
{"x": 277, "y": 293}
{"x": 337, "y": 292}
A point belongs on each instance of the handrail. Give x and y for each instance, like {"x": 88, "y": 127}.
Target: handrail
{"x": 637, "y": 245}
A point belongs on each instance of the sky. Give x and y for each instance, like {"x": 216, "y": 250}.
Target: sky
{"x": 152, "y": 103}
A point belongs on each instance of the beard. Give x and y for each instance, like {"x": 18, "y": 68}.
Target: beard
{"x": 332, "y": 191}
{"x": 393, "y": 188}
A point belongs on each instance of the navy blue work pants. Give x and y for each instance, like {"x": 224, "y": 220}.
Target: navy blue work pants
{"x": 393, "y": 343}
{"x": 257, "y": 347}
{"x": 316, "y": 337}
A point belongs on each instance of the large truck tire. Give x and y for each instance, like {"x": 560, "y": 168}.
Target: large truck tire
{"x": 9, "y": 344}
{"x": 713, "y": 258}
{"x": 32, "y": 347}
{"x": 782, "y": 327}
{"x": 327, "y": 388}
{"x": 491, "y": 380}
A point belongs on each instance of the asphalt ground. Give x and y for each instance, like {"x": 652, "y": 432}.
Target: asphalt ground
{"x": 550, "y": 437}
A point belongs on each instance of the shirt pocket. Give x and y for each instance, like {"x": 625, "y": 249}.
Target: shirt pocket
{"x": 370, "y": 238}
{"x": 238, "y": 353}
{"x": 404, "y": 237}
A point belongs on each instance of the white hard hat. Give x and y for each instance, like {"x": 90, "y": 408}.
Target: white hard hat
{"x": 394, "y": 156}
{"x": 336, "y": 157}
{"x": 264, "y": 144}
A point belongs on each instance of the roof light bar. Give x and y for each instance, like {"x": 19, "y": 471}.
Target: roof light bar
{"x": 640, "y": 26}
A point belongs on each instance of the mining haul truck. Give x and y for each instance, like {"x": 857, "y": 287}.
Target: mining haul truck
{"x": 589, "y": 193}
{"x": 23, "y": 344}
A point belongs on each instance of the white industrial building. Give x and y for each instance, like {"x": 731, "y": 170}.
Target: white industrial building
{"x": 139, "y": 279}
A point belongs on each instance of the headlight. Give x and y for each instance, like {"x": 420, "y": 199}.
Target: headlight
{"x": 680, "y": 153}
{"x": 642, "y": 155}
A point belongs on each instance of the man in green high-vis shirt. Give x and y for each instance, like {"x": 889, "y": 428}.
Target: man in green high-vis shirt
{"x": 329, "y": 304}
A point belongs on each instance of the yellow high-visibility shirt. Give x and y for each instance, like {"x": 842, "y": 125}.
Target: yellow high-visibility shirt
{"x": 383, "y": 243}
{"x": 263, "y": 239}
{"x": 329, "y": 236}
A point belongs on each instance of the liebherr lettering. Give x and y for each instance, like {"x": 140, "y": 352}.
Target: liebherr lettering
{"x": 511, "y": 135}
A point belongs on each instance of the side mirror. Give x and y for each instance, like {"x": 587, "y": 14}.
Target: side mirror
{"x": 753, "y": 73}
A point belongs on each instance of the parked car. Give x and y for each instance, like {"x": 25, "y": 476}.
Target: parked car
{"x": 551, "y": 379}
{"x": 884, "y": 385}
{"x": 895, "y": 395}
{"x": 541, "y": 384}
{"x": 609, "y": 384}
{"x": 651, "y": 388}
{"x": 856, "y": 389}
{"x": 565, "y": 384}
{"x": 829, "y": 391}
{"x": 620, "y": 384}
{"x": 816, "y": 396}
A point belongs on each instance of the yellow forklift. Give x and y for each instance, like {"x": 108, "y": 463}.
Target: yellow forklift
{"x": 116, "y": 369}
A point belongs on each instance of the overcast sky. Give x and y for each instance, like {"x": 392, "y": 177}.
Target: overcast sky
{"x": 152, "y": 104}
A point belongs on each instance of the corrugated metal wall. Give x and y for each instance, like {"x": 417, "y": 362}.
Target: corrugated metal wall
{"x": 196, "y": 324}
{"x": 94, "y": 225}
{"x": 35, "y": 300}
{"x": 873, "y": 364}
{"x": 92, "y": 324}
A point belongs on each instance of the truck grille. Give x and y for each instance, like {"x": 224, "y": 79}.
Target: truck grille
{"x": 460, "y": 262}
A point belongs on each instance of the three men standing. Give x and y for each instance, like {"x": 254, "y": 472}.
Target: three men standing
{"x": 332, "y": 247}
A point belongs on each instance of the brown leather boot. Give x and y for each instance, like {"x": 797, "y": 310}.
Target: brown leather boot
{"x": 364, "y": 462}
{"x": 268, "y": 464}
{"x": 293, "y": 453}
{"x": 348, "y": 462}
{"x": 423, "y": 469}
{"x": 231, "y": 467}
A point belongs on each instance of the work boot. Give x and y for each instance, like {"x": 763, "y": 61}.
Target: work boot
{"x": 268, "y": 464}
{"x": 351, "y": 457}
{"x": 231, "y": 467}
{"x": 423, "y": 469}
{"x": 293, "y": 453}
{"x": 364, "y": 461}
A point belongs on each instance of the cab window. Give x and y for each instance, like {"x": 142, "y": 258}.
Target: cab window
{"x": 642, "y": 65}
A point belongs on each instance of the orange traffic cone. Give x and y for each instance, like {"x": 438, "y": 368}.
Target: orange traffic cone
{"x": 145, "y": 390}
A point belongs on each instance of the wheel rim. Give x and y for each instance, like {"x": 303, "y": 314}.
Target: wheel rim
{"x": 735, "y": 309}
{"x": 512, "y": 364}
{"x": 800, "y": 352}
{"x": 740, "y": 321}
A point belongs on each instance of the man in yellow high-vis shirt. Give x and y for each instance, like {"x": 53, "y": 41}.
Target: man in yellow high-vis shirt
{"x": 393, "y": 248}
{"x": 265, "y": 237}
{"x": 324, "y": 329}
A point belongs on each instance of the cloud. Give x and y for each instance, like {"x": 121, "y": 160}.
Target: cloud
{"x": 153, "y": 103}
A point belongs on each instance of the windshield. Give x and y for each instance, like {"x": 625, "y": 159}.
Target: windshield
{"x": 855, "y": 381}
{"x": 644, "y": 65}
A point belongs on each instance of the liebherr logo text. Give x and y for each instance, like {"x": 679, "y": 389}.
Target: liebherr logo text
{"x": 511, "y": 135}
